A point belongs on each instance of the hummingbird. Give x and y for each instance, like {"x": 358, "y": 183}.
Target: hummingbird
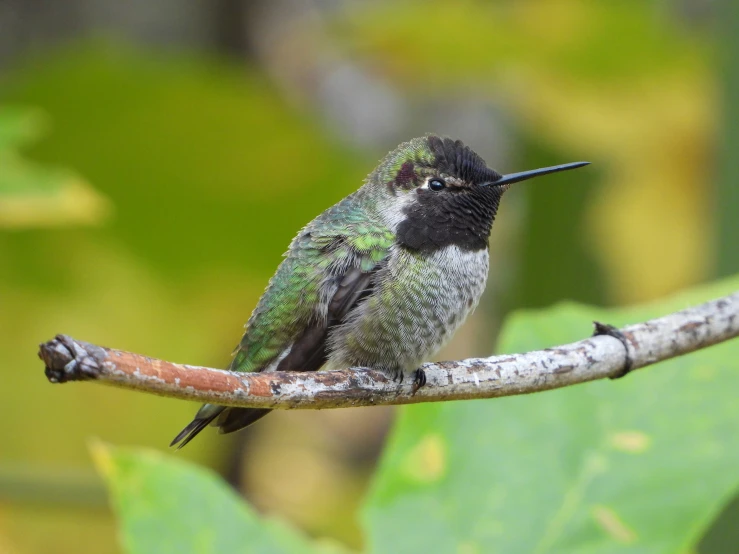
{"x": 381, "y": 279}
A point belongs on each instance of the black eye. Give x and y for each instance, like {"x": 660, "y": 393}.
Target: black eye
{"x": 437, "y": 184}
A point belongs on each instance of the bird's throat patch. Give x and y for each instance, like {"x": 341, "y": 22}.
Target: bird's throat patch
{"x": 436, "y": 220}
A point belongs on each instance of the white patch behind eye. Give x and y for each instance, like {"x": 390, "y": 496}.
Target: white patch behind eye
{"x": 393, "y": 212}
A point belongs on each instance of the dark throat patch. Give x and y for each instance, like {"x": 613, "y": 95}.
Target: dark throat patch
{"x": 461, "y": 218}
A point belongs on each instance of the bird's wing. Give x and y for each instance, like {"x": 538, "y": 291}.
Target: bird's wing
{"x": 307, "y": 352}
{"x": 329, "y": 269}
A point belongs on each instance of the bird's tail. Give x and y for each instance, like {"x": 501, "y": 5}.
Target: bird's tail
{"x": 233, "y": 419}
{"x": 229, "y": 420}
{"x": 206, "y": 414}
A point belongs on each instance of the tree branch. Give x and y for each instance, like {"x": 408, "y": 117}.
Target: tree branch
{"x": 594, "y": 358}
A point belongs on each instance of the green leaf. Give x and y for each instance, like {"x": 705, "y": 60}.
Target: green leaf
{"x": 168, "y": 505}
{"x": 643, "y": 463}
{"x": 32, "y": 195}
{"x": 19, "y": 126}
{"x": 124, "y": 117}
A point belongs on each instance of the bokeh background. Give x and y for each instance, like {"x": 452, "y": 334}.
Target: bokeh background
{"x": 156, "y": 158}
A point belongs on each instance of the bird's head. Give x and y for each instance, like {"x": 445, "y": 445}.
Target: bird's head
{"x": 437, "y": 192}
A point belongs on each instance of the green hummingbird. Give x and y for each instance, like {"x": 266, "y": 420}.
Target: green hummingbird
{"x": 380, "y": 280}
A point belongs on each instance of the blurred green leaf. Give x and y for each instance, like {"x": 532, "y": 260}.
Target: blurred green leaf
{"x": 32, "y": 195}
{"x": 643, "y": 463}
{"x": 19, "y": 126}
{"x": 168, "y": 505}
{"x": 198, "y": 156}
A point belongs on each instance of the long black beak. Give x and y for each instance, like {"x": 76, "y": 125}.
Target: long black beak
{"x": 523, "y": 175}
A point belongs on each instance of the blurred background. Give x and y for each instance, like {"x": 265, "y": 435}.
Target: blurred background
{"x": 156, "y": 158}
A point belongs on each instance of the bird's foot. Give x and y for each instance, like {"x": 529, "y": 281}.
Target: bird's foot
{"x": 419, "y": 380}
{"x": 610, "y": 330}
{"x": 398, "y": 375}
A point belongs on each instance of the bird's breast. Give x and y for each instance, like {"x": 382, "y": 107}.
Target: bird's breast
{"x": 419, "y": 300}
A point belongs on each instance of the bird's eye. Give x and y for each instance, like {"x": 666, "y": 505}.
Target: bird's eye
{"x": 437, "y": 184}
